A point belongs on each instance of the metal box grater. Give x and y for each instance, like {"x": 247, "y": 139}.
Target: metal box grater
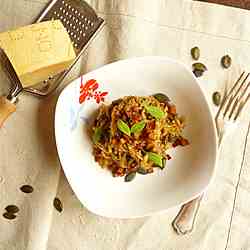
{"x": 82, "y": 25}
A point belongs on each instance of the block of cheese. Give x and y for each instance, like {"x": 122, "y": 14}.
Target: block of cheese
{"x": 38, "y": 50}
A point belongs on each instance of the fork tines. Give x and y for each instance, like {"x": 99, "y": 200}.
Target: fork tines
{"x": 235, "y": 100}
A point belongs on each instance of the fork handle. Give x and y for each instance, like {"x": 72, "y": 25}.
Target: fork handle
{"x": 6, "y": 109}
{"x": 185, "y": 219}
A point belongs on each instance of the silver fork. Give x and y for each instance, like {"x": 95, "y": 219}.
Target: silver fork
{"x": 226, "y": 120}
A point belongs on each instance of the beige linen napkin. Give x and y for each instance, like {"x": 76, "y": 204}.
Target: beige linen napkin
{"x": 27, "y": 148}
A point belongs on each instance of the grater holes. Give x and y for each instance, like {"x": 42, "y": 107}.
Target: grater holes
{"x": 66, "y": 13}
{"x": 70, "y": 24}
{"x": 78, "y": 38}
{"x": 63, "y": 11}
{"x": 92, "y": 24}
{"x": 74, "y": 27}
{"x": 73, "y": 9}
{"x": 83, "y": 34}
{"x": 64, "y": 19}
{"x": 67, "y": 22}
{"x": 61, "y": 17}
{"x": 60, "y": 8}
{"x": 89, "y": 21}
{"x": 58, "y": 14}
{"x": 74, "y": 36}
{"x": 76, "y": 21}
{"x": 80, "y": 31}
{"x": 86, "y": 27}
{"x": 63, "y": 2}
{"x": 55, "y": 12}
{"x": 76, "y": 11}
{"x": 71, "y": 33}
{"x": 73, "y": 18}
{"x": 69, "y": 7}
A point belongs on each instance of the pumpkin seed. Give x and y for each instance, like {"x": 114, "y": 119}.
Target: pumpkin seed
{"x": 226, "y": 61}
{"x": 12, "y": 209}
{"x": 195, "y": 53}
{"x": 27, "y": 189}
{"x": 197, "y": 72}
{"x": 199, "y": 66}
{"x": 9, "y": 216}
{"x": 130, "y": 176}
{"x": 58, "y": 205}
{"x": 161, "y": 97}
{"x": 216, "y": 98}
{"x": 142, "y": 170}
{"x": 123, "y": 127}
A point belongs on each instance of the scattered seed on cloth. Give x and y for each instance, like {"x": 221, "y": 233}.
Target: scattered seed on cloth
{"x": 195, "y": 53}
{"x": 226, "y": 61}
{"x": 9, "y": 216}
{"x": 58, "y": 205}
{"x": 27, "y": 189}
{"x": 216, "y": 98}
{"x": 12, "y": 209}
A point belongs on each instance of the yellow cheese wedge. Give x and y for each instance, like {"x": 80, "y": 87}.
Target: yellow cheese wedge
{"x": 38, "y": 50}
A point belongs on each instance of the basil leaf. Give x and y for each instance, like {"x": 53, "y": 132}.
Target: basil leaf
{"x": 156, "y": 159}
{"x": 154, "y": 111}
{"x": 138, "y": 127}
{"x": 97, "y": 135}
{"x": 123, "y": 127}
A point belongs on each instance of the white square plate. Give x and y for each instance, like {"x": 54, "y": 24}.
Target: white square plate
{"x": 186, "y": 175}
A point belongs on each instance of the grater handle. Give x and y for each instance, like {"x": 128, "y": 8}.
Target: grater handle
{"x": 6, "y": 109}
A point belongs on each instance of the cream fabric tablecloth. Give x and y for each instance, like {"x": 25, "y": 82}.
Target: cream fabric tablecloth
{"x": 27, "y": 148}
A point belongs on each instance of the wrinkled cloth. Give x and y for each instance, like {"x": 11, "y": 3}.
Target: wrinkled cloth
{"x": 28, "y": 152}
